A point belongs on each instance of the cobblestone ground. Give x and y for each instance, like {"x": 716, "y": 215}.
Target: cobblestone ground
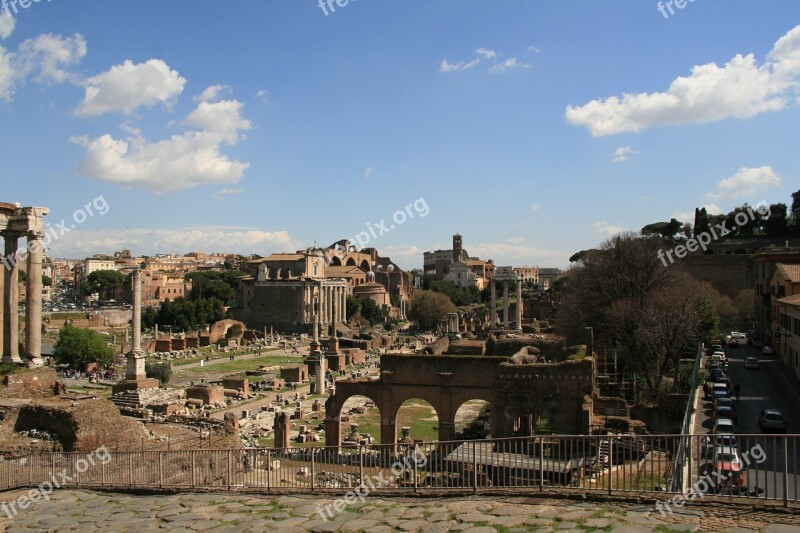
{"x": 78, "y": 510}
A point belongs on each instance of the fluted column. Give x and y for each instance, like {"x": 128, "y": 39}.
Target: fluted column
{"x": 493, "y": 306}
{"x": 505, "y": 305}
{"x": 519, "y": 305}
{"x": 11, "y": 301}
{"x": 33, "y": 301}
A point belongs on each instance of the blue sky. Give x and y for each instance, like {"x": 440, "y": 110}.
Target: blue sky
{"x": 533, "y": 128}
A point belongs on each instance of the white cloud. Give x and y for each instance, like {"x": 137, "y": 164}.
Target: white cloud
{"x": 368, "y": 173}
{"x": 485, "y": 53}
{"x": 740, "y": 88}
{"x": 536, "y": 207}
{"x": 604, "y": 228}
{"x": 533, "y": 50}
{"x": 81, "y": 243}
{"x": 128, "y": 86}
{"x": 406, "y": 256}
{"x": 223, "y": 118}
{"x": 181, "y": 162}
{"x": 461, "y": 66}
{"x": 504, "y": 253}
{"x": 211, "y": 93}
{"x": 746, "y": 182}
{"x": 7, "y": 23}
{"x": 44, "y": 58}
{"x": 516, "y": 240}
{"x": 220, "y": 195}
{"x": 263, "y": 95}
{"x": 622, "y": 153}
{"x": 509, "y": 64}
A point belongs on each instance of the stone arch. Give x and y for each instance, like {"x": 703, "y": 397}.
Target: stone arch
{"x": 350, "y": 262}
{"x": 335, "y": 261}
{"x": 335, "y": 404}
{"x": 365, "y": 266}
{"x": 353, "y": 402}
{"x": 466, "y": 416}
{"x": 408, "y": 417}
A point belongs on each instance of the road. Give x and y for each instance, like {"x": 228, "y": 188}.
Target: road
{"x": 769, "y": 386}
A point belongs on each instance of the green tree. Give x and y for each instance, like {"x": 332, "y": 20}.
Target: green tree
{"x": 666, "y": 229}
{"x": 103, "y": 282}
{"x": 372, "y": 313}
{"x": 353, "y": 306}
{"x": 457, "y": 294}
{"x": 777, "y": 225}
{"x": 148, "y": 317}
{"x": 427, "y": 308}
{"x": 794, "y": 226}
{"x": 160, "y": 371}
{"x": 47, "y": 281}
{"x": 79, "y": 346}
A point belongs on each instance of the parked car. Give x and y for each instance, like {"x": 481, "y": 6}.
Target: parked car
{"x": 733, "y": 343}
{"x": 725, "y": 411}
{"x": 724, "y": 425}
{"x": 726, "y": 454}
{"x": 716, "y": 396}
{"x": 751, "y": 362}
{"x": 771, "y": 419}
{"x": 727, "y": 402}
{"x": 731, "y": 476}
{"x": 724, "y": 439}
{"x": 766, "y": 350}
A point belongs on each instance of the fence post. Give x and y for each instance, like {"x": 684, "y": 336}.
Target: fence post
{"x": 194, "y": 479}
{"x": 30, "y": 469}
{"x": 541, "y": 464}
{"x": 229, "y": 469}
{"x": 160, "y": 469}
{"x": 269, "y": 471}
{"x": 130, "y": 468}
{"x": 102, "y": 474}
{"x": 313, "y": 470}
{"x": 360, "y": 467}
{"x": 610, "y": 463}
{"x": 785, "y": 471}
{"x": 474, "y": 466}
{"x": 416, "y": 473}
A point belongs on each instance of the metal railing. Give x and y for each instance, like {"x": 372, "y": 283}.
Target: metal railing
{"x": 767, "y": 466}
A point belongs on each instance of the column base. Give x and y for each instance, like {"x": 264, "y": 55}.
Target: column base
{"x": 34, "y": 362}
{"x": 135, "y": 384}
{"x": 11, "y": 359}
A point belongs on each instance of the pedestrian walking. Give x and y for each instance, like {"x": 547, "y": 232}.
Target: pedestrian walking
{"x": 736, "y": 390}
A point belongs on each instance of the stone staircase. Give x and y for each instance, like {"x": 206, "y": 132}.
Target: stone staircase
{"x": 130, "y": 399}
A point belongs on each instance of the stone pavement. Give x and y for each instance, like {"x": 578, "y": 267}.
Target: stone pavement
{"x": 80, "y": 510}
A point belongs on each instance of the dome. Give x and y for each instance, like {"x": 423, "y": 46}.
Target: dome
{"x": 371, "y": 277}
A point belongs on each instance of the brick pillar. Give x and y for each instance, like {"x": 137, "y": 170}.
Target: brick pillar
{"x": 493, "y": 306}
{"x": 505, "y": 305}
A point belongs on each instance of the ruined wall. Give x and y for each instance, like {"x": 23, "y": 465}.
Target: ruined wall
{"x": 82, "y": 426}
{"x": 466, "y": 347}
{"x": 34, "y": 384}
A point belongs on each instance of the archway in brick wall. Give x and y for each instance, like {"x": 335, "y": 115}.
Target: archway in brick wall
{"x": 421, "y": 417}
{"x": 472, "y": 420}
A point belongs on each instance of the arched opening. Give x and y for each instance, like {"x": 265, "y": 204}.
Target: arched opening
{"x": 365, "y": 265}
{"x": 350, "y": 262}
{"x": 472, "y": 420}
{"x": 335, "y": 261}
{"x": 360, "y": 421}
{"x": 421, "y": 419}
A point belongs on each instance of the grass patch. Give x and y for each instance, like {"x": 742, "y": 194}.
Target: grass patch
{"x": 243, "y": 364}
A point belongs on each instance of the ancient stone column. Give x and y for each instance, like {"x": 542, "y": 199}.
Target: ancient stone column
{"x": 33, "y": 301}
{"x": 519, "y": 305}
{"x": 11, "y": 301}
{"x": 505, "y": 305}
{"x": 2, "y": 310}
{"x": 493, "y": 306}
{"x": 135, "y": 358}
